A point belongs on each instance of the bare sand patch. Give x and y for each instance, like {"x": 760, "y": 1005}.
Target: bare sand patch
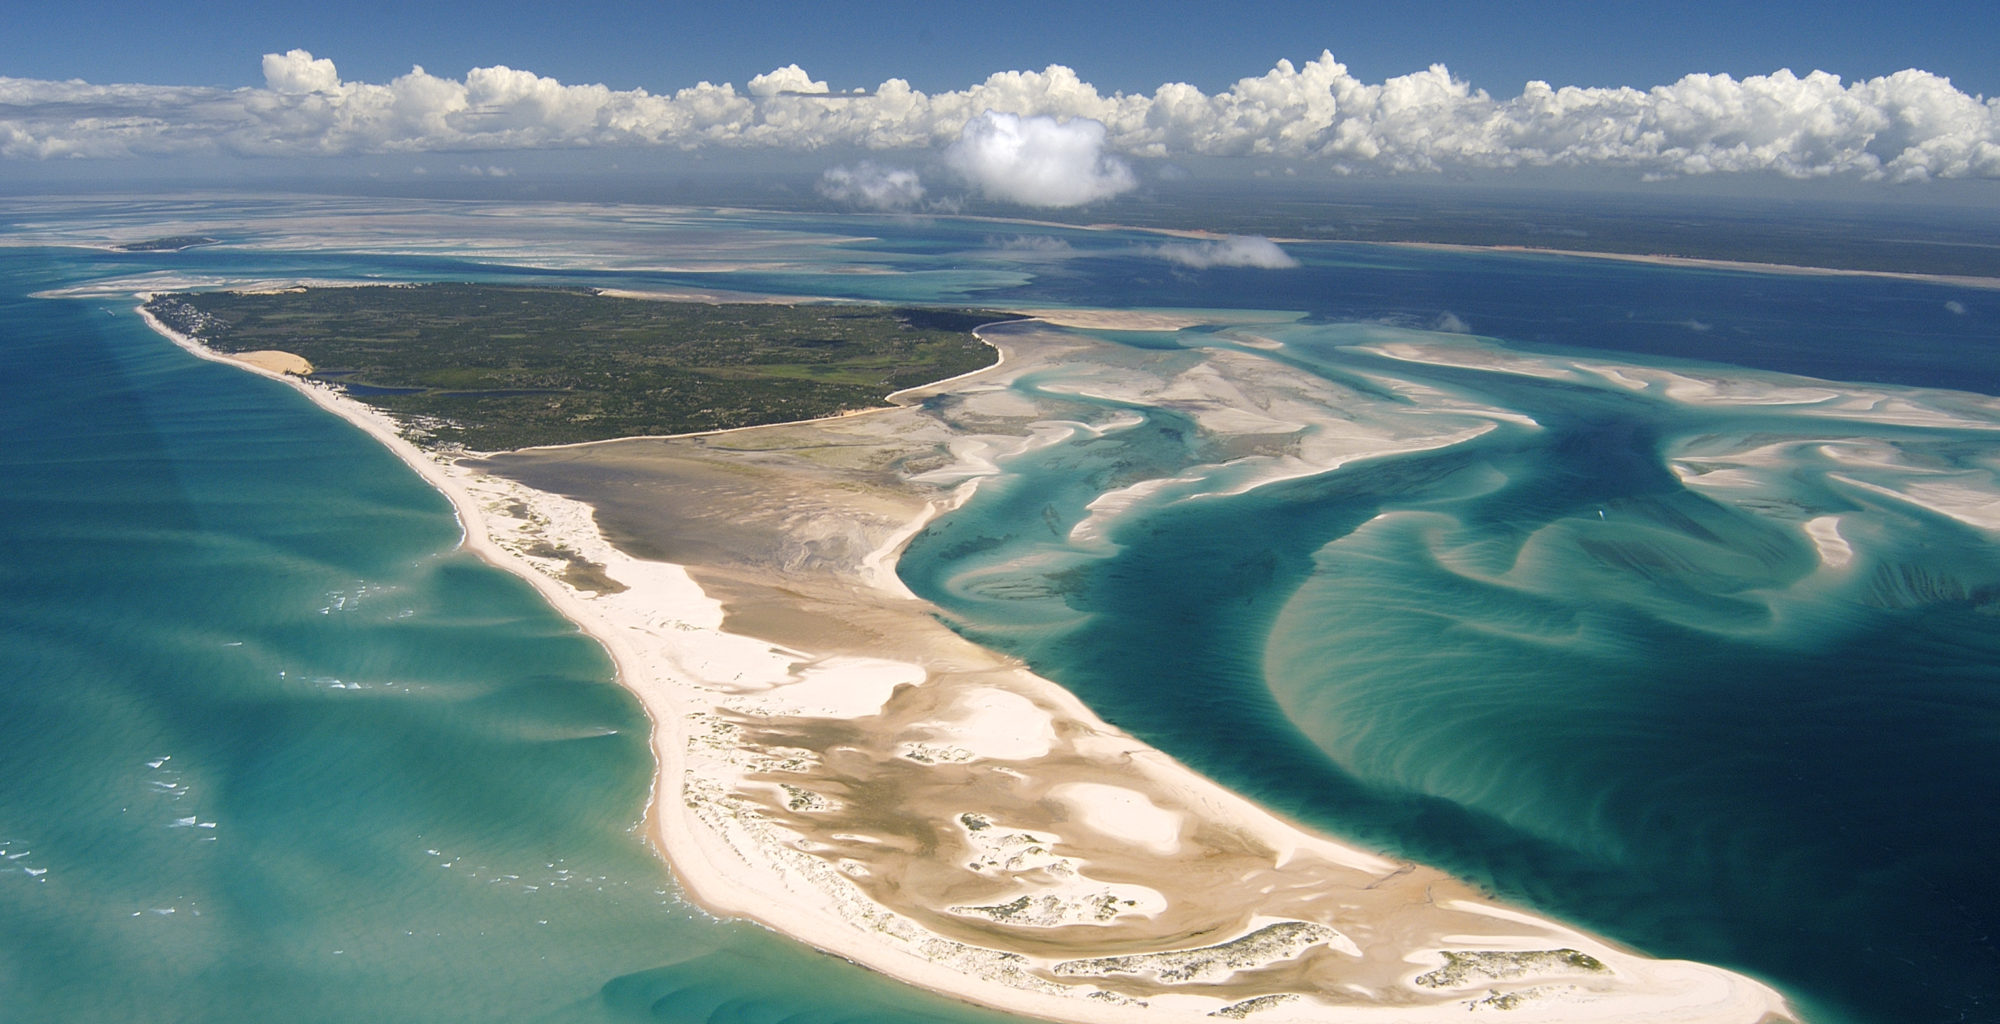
{"x": 1113, "y": 811}
{"x": 275, "y": 361}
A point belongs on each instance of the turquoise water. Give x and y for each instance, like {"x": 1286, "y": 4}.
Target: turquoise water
{"x": 274, "y": 750}
{"x": 277, "y": 751}
{"x": 1540, "y": 660}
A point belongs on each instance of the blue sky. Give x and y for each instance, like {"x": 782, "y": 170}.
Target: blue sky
{"x": 1033, "y": 102}
{"x": 1117, "y": 46}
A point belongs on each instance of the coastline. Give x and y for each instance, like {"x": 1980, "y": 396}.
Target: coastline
{"x": 953, "y": 716}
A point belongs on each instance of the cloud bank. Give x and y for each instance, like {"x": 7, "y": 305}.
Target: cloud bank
{"x": 1909, "y": 126}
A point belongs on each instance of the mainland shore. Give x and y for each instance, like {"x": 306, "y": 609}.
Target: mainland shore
{"x": 836, "y": 764}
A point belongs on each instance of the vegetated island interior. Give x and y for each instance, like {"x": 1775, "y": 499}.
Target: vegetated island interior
{"x": 170, "y": 243}
{"x": 499, "y": 367}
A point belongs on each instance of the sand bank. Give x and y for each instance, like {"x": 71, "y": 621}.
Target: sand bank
{"x": 836, "y": 764}
{"x": 1114, "y": 319}
{"x": 1664, "y": 260}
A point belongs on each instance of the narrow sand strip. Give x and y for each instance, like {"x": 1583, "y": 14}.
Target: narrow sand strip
{"x": 980, "y": 832}
{"x": 1662, "y": 260}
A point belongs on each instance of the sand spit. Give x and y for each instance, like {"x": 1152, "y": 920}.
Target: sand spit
{"x": 836, "y": 764}
{"x": 1665, "y": 260}
{"x": 1114, "y": 319}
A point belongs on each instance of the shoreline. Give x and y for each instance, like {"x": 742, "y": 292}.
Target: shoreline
{"x": 730, "y": 849}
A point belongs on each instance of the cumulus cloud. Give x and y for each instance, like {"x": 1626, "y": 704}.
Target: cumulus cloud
{"x": 872, "y": 186}
{"x": 1038, "y": 161}
{"x": 1954, "y": 307}
{"x": 1049, "y": 138}
{"x": 1232, "y": 251}
{"x": 788, "y": 79}
{"x": 296, "y": 72}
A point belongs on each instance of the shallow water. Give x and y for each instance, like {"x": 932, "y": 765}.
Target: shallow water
{"x": 275, "y": 750}
{"x": 1540, "y": 659}
{"x": 1537, "y": 657}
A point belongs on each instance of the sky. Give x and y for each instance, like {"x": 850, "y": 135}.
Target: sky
{"x": 1117, "y": 44}
{"x": 1099, "y": 95}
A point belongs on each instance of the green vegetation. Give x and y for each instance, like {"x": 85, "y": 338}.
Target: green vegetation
{"x": 1261, "y": 948}
{"x": 1468, "y": 966}
{"x": 493, "y": 367}
{"x": 171, "y": 243}
{"x": 1238, "y": 1011}
{"x": 580, "y": 572}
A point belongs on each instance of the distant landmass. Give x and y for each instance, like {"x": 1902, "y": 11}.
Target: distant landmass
{"x": 171, "y": 243}
{"x": 1874, "y": 236}
{"x": 1896, "y": 232}
{"x": 492, "y": 368}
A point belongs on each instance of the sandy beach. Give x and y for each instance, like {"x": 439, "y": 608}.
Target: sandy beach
{"x": 835, "y": 763}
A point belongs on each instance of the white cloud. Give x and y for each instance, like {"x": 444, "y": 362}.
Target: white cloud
{"x": 1232, "y": 251}
{"x": 790, "y": 78}
{"x": 297, "y": 72}
{"x": 1954, "y": 307}
{"x": 1048, "y": 137}
{"x": 1038, "y": 161}
{"x": 872, "y": 186}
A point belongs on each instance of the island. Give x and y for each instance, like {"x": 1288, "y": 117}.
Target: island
{"x": 495, "y": 367}
{"x": 834, "y": 761}
{"x": 169, "y": 243}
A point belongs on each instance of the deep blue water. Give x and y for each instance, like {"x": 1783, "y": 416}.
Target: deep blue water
{"x": 1536, "y": 658}
{"x": 1541, "y": 661}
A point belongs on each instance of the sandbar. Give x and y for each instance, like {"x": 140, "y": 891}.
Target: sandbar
{"x": 1701, "y": 262}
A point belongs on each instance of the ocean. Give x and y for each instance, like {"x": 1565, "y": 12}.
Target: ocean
{"x": 275, "y": 750}
{"x": 1688, "y": 646}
